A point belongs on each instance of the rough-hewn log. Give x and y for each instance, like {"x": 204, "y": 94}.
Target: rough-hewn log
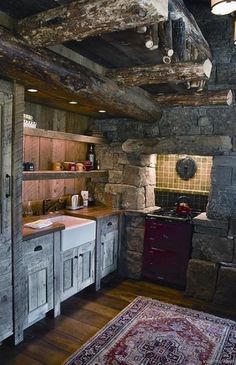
{"x": 192, "y": 31}
{"x": 165, "y": 36}
{"x": 203, "y": 98}
{"x": 195, "y": 145}
{"x": 48, "y": 71}
{"x": 179, "y": 39}
{"x": 78, "y": 21}
{"x": 159, "y": 74}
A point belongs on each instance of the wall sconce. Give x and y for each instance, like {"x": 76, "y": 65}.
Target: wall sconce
{"x": 223, "y": 7}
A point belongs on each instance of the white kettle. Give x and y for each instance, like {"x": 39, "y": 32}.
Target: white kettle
{"x": 74, "y": 201}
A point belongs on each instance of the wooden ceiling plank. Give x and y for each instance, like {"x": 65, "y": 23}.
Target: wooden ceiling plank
{"x": 203, "y": 98}
{"x": 161, "y": 74}
{"x": 193, "y": 33}
{"x": 79, "y": 21}
{"x": 68, "y": 79}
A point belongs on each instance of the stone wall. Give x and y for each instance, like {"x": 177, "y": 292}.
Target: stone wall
{"x": 211, "y": 271}
{"x": 214, "y": 239}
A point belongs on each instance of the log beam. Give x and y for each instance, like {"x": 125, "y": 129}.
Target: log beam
{"x": 193, "y": 145}
{"x": 161, "y": 74}
{"x": 203, "y": 98}
{"x": 80, "y": 20}
{"x": 57, "y": 75}
{"x": 194, "y": 37}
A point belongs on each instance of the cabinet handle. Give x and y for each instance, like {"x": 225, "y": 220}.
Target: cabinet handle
{"x": 102, "y": 243}
{"x": 109, "y": 223}
{"x": 38, "y": 248}
{"x": 76, "y": 257}
{"x": 81, "y": 255}
{"x": 8, "y": 183}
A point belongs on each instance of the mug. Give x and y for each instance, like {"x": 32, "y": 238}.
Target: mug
{"x": 57, "y": 166}
{"x": 69, "y": 166}
{"x": 80, "y": 166}
{"x": 88, "y": 165}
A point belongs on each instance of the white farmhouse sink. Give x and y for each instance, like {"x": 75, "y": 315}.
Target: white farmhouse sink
{"x": 77, "y": 231}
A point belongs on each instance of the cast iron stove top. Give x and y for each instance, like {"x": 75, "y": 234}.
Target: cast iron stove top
{"x": 170, "y": 213}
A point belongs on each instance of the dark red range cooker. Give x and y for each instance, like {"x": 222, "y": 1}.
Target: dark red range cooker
{"x": 167, "y": 245}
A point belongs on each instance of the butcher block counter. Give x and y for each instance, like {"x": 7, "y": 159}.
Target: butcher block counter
{"x": 95, "y": 212}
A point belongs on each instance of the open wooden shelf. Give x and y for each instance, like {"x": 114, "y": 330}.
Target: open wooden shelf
{"x": 36, "y": 132}
{"x": 54, "y": 175}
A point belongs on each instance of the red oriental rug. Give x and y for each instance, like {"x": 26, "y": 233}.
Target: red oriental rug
{"x": 149, "y": 332}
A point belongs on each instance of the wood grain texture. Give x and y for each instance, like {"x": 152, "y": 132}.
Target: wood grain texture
{"x": 43, "y": 69}
{"x": 45, "y": 175}
{"x": 78, "y": 21}
{"x": 52, "y": 340}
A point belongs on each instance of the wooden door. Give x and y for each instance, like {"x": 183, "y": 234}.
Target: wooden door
{"x": 38, "y": 258}
{"x": 86, "y": 265}
{"x": 109, "y": 251}
{"x": 69, "y": 273}
{"x": 6, "y": 322}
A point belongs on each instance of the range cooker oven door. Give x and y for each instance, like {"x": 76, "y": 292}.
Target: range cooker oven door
{"x": 167, "y": 249}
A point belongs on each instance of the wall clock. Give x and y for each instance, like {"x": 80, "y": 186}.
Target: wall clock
{"x": 186, "y": 167}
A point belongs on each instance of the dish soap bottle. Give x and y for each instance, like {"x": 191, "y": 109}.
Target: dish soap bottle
{"x": 91, "y": 156}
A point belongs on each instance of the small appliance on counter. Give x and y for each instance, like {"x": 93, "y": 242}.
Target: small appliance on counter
{"x": 74, "y": 202}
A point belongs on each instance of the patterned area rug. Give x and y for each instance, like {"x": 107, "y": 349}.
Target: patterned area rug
{"x": 149, "y": 332}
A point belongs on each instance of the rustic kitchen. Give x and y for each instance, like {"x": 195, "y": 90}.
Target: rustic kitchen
{"x": 118, "y": 167}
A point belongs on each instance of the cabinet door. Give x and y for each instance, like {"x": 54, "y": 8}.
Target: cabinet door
{"x": 69, "y": 273}
{"x": 6, "y": 322}
{"x": 109, "y": 248}
{"x": 86, "y": 265}
{"x": 38, "y": 257}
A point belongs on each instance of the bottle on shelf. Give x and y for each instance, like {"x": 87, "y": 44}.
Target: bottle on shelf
{"x": 91, "y": 155}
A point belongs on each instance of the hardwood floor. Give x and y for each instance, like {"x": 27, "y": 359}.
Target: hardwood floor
{"x": 51, "y": 341}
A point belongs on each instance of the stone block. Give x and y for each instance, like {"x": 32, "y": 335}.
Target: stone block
{"x": 132, "y": 197}
{"x": 203, "y": 121}
{"x": 134, "y": 239}
{"x": 150, "y": 195}
{"x": 135, "y": 221}
{"x": 226, "y": 288}
{"x": 201, "y": 279}
{"x": 224, "y": 161}
{"x": 115, "y": 177}
{"x": 134, "y": 265}
{"x": 139, "y": 176}
{"x": 212, "y": 248}
{"x": 202, "y": 224}
{"x": 221, "y": 175}
{"x": 148, "y": 160}
{"x": 221, "y": 202}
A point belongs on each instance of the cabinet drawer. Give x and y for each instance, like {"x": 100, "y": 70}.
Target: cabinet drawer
{"x": 37, "y": 249}
{"x": 109, "y": 224}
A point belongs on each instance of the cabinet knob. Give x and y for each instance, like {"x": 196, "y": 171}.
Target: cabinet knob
{"x": 76, "y": 257}
{"x": 109, "y": 223}
{"x": 38, "y": 248}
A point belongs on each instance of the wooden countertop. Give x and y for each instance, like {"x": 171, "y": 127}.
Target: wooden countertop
{"x": 95, "y": 212}
{"x": 30, "y": 233}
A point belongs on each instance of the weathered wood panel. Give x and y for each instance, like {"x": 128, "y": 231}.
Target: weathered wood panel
{"x": 86, "y": 265}
{"x": 78, "y": 21}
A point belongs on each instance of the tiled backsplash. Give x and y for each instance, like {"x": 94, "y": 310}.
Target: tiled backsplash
{"x": 168, "y": 179}
{"x": 168, "y": 199}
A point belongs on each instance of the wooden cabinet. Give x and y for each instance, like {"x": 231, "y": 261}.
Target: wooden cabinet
{"x": 38, "y": 260}
{"x": 78, "y": 269}
{"x": 6, "y": 307}
{"x": 107, "y": 248}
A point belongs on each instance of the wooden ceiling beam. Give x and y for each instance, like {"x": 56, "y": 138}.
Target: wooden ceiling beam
{"x": 196, "y": 46}
{"x": 63, "y": 78}
{"x": 203, "y": 98}
{"x": 161, "y": 74}
{"x": 77, "y": 20}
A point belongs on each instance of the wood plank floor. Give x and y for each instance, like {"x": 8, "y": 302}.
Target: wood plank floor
{"x": 51, "y": 341}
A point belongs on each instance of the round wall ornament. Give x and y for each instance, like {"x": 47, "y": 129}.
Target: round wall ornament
{"x": 186, "y": 167}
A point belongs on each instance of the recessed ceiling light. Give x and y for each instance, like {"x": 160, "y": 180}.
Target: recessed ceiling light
{"x": 32, "y": 90}
{"x": 73, "y": 102}
{"x": 102, "y": 111}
